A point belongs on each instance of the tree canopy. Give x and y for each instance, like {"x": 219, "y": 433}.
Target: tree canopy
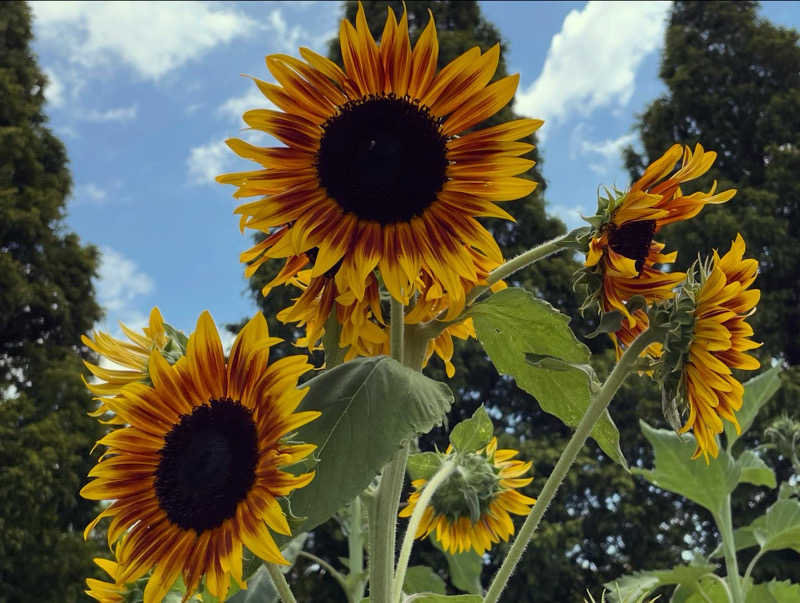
{"x": 46, "y": 302}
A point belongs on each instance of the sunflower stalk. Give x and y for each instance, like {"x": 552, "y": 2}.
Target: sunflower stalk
{"x": 524, "y": 259}
{"x": 284, "y": 592}
{"x": 408, "y": 541}
{"x": 724, "y": 523}
{"x": 383, "y": 526}
{"x": 625, "y": 366}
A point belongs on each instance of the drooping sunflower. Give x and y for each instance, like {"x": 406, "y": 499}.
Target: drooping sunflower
{"x": 374, "y": 173}
{"x": 196, "y": 472}
{"x": 719, "y": 340}
{"x": 622, "y": 254}
{"x": 490, "y": 477}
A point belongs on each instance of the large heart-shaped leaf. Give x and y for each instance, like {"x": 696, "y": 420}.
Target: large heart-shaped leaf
{"x": 755, "y": 471}
{"x": 636, "y": 586}
{"x": 369, "y": 407}
{"x": 531, "y": 341}
{"x": 706, "y": 484}
{"x": 757, "y": 392}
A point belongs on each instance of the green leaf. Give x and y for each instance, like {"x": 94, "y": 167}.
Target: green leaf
{"x": 369, "y": 406}
{"x": 423, "y": 465}
{"x": 778, "y": 528}
{"x": 518, "y": 333}
{"x": 774, "y": 592}
{"x": 464, "y": 569}
{"x": 636, "y": 586}
{"x": 422, "y": 579}
{"x": 473, "y": 433}
{"x": 706, "y": 484}
{"x": 712, "y": 588}
{"x": 755, "y": 471}
{"x": 757, "y": 392}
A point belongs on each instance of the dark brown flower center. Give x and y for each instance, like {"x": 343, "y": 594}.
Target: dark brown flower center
{"x": 633, "y": 240}
{"x": 207, "y": 465}
{"x": 383, "y": 158}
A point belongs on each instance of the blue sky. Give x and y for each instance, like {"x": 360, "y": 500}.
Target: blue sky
{"x": 144, "y": 94}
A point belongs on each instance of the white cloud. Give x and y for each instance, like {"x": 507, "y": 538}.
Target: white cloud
{"x": 120, "y": 282}
{"x": 592, "y": 61}
{"x": 117, "y": 114}
{"x": 54, "y": 92}
{"x": 611, "y": 148}
{"x": 90, "y": 193}
{"x": 569, "y": 214}
{"x": 208, "y": 161}
{"x": 151, "y": 37}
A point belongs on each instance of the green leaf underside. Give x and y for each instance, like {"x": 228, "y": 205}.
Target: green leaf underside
{"x": 774, "y": 592}
{"x": 473, "y": 433}
{"x": 422, "y": 579}
{"x": 706, "y": 484}
{"x": 635, "y": 587}
{"x": 369, "y": 407}
{"x": 464, "y": 569}
{"x": 755, "y": 471}
{"x": 757, "y": 392}
{"x": 531, "y": 341}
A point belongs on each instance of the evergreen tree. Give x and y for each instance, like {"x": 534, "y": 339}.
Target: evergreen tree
{"x": 46, "y": 302}
{"x": 733, "y": 84}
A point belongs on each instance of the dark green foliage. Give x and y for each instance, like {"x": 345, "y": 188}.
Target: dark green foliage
{"x": 46, "y": 302}
{"x": 734, "y": 86}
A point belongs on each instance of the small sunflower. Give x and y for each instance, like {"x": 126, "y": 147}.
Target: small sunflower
{"x": 133, "y": 355}
{"x": 374, "y": 173}
{"x": 622, "y": 255}
{"x": 470, "y": 510}
{"x": 196, "y": 472}
{"x": 718, "y": 339}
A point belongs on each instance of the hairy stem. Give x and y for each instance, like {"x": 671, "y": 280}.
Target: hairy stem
{"x": 284, "y": 592}
{"x": 725, "y": 525}
{"x": 408, "y": 541}
{"x": 624, "y": 367}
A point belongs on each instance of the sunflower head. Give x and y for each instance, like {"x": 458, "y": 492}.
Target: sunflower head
{"x": 197, "y": 471}
{"x": 709, "y": 338}
{"x": 470, "y": 510}
{"x": 377, "y": 172}
{"x": 622, "y": 258}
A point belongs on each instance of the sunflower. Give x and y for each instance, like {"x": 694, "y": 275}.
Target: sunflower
{"x": 133, "y": 355}
{"x": 719, "y": 342}
{"x": 374, "y": 173}
{"x": 470, "y": 510}
{"x": 196, "y": 472}
{"x": 622, "y": 252}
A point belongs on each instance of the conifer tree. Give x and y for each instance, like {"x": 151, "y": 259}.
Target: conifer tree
{"x": 46, "y": 302}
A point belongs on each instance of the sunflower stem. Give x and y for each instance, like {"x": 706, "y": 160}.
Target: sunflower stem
{"x": 355, "y": 545}
{"x": 521, "y": 261}
{"x": 725, "y": 525}
{"x": 280, "y": 583}
{"x": 381, "y": 565}
{"x": 624, "y": 367}
{"x": 416, "y": 517}
{"x": 397, "y": 316}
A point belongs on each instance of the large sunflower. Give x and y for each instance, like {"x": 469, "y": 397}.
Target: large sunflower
{"x": 197, "y": 471}
{"x": 470, "y": 510}
{"x": 720, "y": 338}
{"x": 374, "y": 173}
{"x": 622, "y": 252}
